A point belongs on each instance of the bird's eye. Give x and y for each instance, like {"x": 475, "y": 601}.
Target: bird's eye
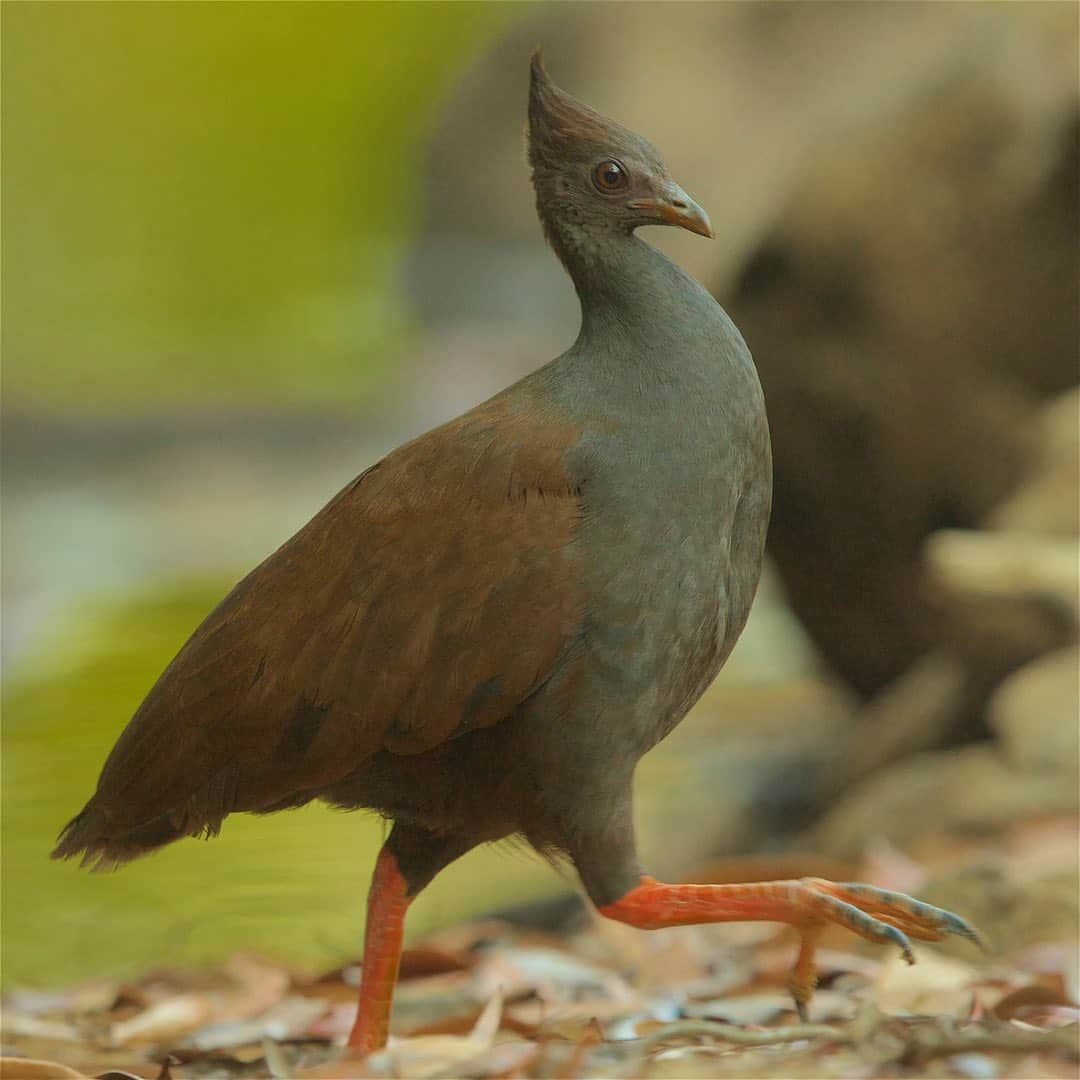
{"x": 610, "y": 176}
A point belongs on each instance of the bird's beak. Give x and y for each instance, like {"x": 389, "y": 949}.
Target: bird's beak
{"x": 675, "y": 207}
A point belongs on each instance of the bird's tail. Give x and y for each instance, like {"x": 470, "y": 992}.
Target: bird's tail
{"x": 101, "y": 845}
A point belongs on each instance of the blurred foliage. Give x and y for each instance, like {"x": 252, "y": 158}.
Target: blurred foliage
{"x": 205, "y": 203}
{"x": 204, "y": 206}
{"x": 292, "y": 884}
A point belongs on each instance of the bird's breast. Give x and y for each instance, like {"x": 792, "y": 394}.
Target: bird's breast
{"x": 676, "y": 493}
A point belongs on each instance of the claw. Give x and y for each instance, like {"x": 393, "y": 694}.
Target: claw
{"x": 964, "y": 929}
{"x": 941, "y": 922}
{"x": 899, "y": 938}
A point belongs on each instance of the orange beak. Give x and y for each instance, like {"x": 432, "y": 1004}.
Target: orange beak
{"x": 675, "y": 207}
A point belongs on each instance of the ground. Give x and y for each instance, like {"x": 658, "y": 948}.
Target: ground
{"x": 496, "y": 998}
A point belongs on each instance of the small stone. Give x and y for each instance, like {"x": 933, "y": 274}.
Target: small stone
{"x": 1035, "y": 711}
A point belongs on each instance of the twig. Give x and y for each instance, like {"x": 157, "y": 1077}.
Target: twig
{"x": 684, "y": 1029}
{"x": 923, "y": 1044}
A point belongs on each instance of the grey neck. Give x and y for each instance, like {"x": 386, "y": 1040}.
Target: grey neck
{"x": 627, "y": 289}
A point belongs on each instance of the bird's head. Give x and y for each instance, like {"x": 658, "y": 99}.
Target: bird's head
{"x": 592, "y": 174}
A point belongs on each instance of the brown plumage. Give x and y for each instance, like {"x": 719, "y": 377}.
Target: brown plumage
{"x": 381, "y": 625}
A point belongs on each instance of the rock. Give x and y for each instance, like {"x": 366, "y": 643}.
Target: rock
{"x": 972, "y": 791}
{"x": 978, "y": 790}
{"x": 1035, "y": 713}
{"x": 1048, "y": 501}
{"x": 993, "y": 563}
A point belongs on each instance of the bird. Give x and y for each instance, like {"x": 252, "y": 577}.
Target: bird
{"x": 481, "y": 635}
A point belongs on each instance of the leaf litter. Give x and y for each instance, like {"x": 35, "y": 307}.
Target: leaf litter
{"x": 490, "y": 999}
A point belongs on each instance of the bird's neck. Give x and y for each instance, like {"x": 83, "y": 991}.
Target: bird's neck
{"x": 626, "y": 287}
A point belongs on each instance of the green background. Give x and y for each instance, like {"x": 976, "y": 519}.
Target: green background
{"x": 205, "y": 207}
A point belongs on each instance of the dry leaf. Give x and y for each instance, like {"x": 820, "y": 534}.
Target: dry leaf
{"x": 425, "y": 960}
{"x": 424, "y": 1056}
{"x": 1025, "y": 996}
{"x": 1048, "y": 1016}
{"x": 14, "y": 1068}
{"x": 934, "y": 985}
{"x": 19, "y": 1024}
{"x": 164, "y": 1022}
{"x": 288, "y": 1019}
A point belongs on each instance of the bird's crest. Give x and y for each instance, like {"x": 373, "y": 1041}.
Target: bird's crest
{"x": 557, "y": 120}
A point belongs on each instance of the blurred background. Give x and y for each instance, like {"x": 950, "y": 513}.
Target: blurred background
{"x": 248, "y": 248}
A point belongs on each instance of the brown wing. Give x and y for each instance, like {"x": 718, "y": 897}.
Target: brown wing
{"x": 430, "y": 596}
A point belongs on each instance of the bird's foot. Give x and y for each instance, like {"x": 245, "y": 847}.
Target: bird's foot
{"x": 809, "y": 904}
{"x": 879, "y": 915}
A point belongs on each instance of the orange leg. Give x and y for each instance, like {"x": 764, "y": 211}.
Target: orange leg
{"x": 808, "y": 904}
{"x": 388, "y": 901}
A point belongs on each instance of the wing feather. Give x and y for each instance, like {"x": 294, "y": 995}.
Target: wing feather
{"x": 431, "y": 596}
